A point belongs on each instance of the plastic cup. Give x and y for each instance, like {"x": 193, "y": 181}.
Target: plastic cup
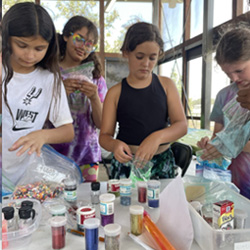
{"x": 58, "y": 224}
{"x": 112, "y": 236}
{"x": 153, "y": 193}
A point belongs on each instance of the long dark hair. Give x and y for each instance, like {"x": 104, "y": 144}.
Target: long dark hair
{"x": 25, "y": 20}
{"x": 139, "y": 33}
{"x": 76, "y": 23}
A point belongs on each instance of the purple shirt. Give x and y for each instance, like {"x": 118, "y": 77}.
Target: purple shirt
{"x": 85, "y": 148}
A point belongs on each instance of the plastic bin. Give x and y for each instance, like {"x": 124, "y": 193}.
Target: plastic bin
{"x": 215, "y": 239}
{"x": 19, "y": 239}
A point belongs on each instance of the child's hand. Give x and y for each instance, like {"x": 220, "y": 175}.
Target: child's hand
{"x": 147, "y": 149}
{"x": 32, "y": 142}
{"x": 210, "y": 153}
{"x": 122, "y": 152}
{"x": 71, "y": 85}
{"x": 89, "y": 89}
{"x": 203, "y": 142}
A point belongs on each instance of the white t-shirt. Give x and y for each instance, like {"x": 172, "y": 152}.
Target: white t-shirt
{"x": 30, "y": 98}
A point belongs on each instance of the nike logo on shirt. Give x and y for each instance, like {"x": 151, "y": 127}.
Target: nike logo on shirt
{"x": 17, "y": 129}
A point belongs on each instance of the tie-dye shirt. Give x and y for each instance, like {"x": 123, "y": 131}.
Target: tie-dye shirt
{"x": 240, "y": 165}
{"x": 85, "y": 148}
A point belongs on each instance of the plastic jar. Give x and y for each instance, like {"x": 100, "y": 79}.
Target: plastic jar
{"x": 91, "y": 233}
{"x": 58, "y": 224}
{"x": 142, "y": 191}
{"x": 114, "y": 187}
{"x": 82, "y": 214}
{"x": 136, "y": 219}
{"x": 125, "y": 192}
{"x": 95, "y": 192}
{"x": 70, "y": 187}
{"x": 107, "y": 209}
{"x": 57, "y": 210}
{"x": 239, "y": 218}
{"x": 153, "y": 193}
{"x": 9, "y": 216}
{"x": 26, "y": 217}
{"x": 112, "y": 236}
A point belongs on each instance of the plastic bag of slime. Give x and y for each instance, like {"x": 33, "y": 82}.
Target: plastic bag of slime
{"x": 236, "y": 133}
{"x": 82, "y": 73}
{"x": 140, "y": 171}
{"x": 221, "y": 162}
{"x": 44, "y": 176}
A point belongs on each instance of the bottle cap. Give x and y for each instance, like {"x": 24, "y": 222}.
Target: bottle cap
{"x": 27, "y": 203}
{"x": 57, "y": 209}
{"x": 112, "y": 229}
{"x": 125, "y": 182}
{"x": 154, "y": 184}
{"x": 25, "y": 212}
{"x": 69, "y": 182}
{"x": 8, "y": 213}
{"x": 107, "y": 198}
{"x": 95, "y": 186}
{"x": 91, "y": 223}
{"x": 136, "y": 209}
{"x": 141, "y": 184}
{"x": 58, "y": 221}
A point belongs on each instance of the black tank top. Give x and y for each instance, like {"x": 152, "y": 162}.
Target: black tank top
{"x": 141, "y": 111}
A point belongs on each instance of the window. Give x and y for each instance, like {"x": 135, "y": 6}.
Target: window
{"x": 196, "y": 18}
{"x": 172, "y": 24}
{"x": 220, "y": 6}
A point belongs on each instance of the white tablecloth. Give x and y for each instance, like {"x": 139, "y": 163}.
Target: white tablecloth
{"x": 41, "y": 239}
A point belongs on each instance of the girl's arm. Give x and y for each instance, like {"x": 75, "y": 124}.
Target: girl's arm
{"x": 34, "y": 141}
{"x": 120, "y": 149}
{"x": 176, "y": 130}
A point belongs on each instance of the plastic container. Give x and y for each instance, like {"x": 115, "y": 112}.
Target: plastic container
{"x": 57, "y": 210}
{"x": 20, "y": 238}
{"x": 95, "y": 192}
{"x": 153, "y": 193}
{"x": 58, "y": 230}
{"x": 107, "y": 209}
{"x": 91, "y": 233}
{"x": 142, "y": 191}
{"x": 125, "y": 192}
{"x": 112, "y": 236}
{"x": 82, "y": 214}
{"x": 136, "y": 219}
{"x": 114, "y": 187}
{"x": 70, "y": 189}
{"x": 217, "y": 239}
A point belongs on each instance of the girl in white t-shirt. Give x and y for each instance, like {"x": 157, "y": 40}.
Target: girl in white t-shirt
{"x": 32, "y": 88}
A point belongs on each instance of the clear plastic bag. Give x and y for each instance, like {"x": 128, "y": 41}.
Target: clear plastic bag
{"x": 232, "y": 139}
{"x": 140, "y": 171}
{"x": 83, "y": 72}
{"x": 44, "y": 176}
